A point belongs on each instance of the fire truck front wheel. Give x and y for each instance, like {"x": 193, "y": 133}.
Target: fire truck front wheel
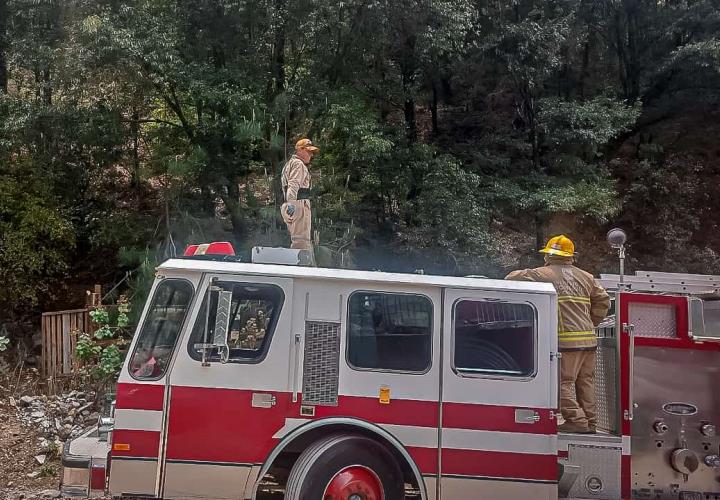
{"x": 345, "y": 467}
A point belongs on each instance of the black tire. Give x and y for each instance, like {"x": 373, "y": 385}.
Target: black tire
{"x": 322, "y": 460}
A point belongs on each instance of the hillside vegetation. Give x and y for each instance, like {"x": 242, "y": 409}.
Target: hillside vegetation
{"x": 455, "y": 135}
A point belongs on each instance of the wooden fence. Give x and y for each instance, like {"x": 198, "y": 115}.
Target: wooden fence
{"x": 59, "y": 338}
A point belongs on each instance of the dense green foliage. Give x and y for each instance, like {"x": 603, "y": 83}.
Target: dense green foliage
{"x": 456, "y": 135}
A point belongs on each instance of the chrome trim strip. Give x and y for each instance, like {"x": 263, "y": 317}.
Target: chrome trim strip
{"x": 135, "y": 459}
{"x": 492, "y": 478}
{"x": 441, "y": 379}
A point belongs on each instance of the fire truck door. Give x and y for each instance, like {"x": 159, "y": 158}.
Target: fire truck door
{"x": 141, "y": 400}
{"x": 499, "y": 396}
{"x": 223, "y": 412}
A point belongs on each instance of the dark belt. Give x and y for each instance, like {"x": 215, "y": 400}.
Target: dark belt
{"x": 302, "y": 194}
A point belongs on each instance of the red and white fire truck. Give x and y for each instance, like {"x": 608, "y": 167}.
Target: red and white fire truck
{"x": 259, "y": 380}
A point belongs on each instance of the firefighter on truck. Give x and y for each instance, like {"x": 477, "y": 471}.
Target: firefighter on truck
{"x": 582, "y": 305}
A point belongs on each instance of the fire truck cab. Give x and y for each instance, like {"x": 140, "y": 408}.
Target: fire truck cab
{"x": 259, "y": 381}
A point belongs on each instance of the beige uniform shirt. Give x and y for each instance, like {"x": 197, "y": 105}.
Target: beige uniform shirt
{"x": 295, "y": 175}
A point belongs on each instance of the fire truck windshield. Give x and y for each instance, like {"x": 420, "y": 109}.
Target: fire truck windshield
{"x": 159, "y": 332}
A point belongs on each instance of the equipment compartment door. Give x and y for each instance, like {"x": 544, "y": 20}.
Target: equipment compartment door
{"x": 499, "y": 395}
{"x": 669, "y": 401}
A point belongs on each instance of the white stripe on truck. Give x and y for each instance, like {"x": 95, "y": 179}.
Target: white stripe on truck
{"x": 138, "y": 420}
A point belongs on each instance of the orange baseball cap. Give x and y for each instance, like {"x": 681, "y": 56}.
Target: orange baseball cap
{"x": 307, "y": 145}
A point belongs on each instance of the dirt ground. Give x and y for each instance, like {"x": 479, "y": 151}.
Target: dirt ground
{"x": 18, "y": 447}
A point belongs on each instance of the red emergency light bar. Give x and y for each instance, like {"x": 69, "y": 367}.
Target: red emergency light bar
{"x": 214, "y": 248}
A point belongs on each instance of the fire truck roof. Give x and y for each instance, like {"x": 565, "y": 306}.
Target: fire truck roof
{"x": 320, "y": 273}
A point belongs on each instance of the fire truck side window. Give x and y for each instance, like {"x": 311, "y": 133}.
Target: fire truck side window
{"x": 494, "y": 338}
{"x": 254, "y": 312}
{"x": 388, "y": 331}
{"x": 160, "y": 329}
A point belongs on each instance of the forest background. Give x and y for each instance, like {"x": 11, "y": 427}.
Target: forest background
{"x": 455, "y": 135}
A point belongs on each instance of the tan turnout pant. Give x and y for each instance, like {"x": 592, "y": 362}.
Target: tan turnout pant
{"x": 577, "y": 388}
{"x": 299, "y": 228}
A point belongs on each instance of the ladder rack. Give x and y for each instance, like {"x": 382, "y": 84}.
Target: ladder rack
{"x": 651, "y": 281}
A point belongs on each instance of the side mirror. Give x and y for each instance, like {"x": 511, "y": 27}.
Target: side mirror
{"x": 222, "y": 324}
{"x": 221, "y": 308}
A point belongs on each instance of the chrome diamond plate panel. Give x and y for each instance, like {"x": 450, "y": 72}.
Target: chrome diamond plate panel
{"x": 321, "y": 363}
{"x": 653, "y": 320}
{"x": 599, "y": 475}
{"x": 606, "y": 386}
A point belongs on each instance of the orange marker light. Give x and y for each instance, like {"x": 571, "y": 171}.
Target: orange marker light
{"x": 121, "y": 447}
{"x": 384, "y": 395}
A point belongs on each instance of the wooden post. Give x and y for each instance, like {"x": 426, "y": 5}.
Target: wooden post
{"x": 96, "y": 299}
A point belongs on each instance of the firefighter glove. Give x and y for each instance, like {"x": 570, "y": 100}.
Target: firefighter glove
{"x": 290, "y": 210}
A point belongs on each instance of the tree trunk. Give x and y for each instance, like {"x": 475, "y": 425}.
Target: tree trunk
{"x": 434, "y": 108}
{"x": 47, "y": 87}
{"x": 620, "y": 49}
{"x": 410, "y": 123}
{"x": 135, "y": 132}
{"x": 52, "y": 33}
{"x": 275, "y": 86}
{"x": 232, "y": 204}
{"x": 276, "y": 171}
{"x": 633, "y": 70}
{"x": 585, "y": 71}
{"x": 409, "y": 106}
{"x": 539, "y": 231}
{"x": 535, "y": 142}
{"x": 528, "y": 115}
{"x": 278, "y": 56}
{"x": 3, "y": 46}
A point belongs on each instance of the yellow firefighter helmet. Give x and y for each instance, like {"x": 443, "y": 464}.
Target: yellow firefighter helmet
{"x": 559, "y": 245}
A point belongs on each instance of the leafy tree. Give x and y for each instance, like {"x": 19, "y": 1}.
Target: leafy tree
{"x": 454, "y": 134}
{"x": 35, "y": 239}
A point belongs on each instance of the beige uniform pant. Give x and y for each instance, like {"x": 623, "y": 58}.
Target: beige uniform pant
{"x": 577, "y": 388}
{"x": 299, "y": 227}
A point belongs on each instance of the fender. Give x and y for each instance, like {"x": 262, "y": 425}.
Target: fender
{"x": 348, "y": 422}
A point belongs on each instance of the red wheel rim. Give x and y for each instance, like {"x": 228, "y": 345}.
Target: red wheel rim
{"x": 354, "y": 483}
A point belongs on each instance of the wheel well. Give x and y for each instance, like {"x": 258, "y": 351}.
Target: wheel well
{"x": 279, "y": 468}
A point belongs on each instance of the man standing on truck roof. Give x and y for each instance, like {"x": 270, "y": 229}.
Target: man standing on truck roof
{"x": 296, "y": 210}
{"x": 582, "y": 305}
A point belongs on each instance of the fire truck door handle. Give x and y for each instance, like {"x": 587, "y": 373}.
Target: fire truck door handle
{"x": 557, "y": 357}
{"x": 261, "y": 400}
{"x": 296, "y": 369}
{"x": 523, "y": 416}
{"x": 629, "y": 328}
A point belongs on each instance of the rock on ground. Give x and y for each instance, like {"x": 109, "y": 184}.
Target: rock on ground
{"x": 20, "y": 473}
{"x": 33, "y": 430}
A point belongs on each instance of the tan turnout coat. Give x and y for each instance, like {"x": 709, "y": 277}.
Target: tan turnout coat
{"x": 582, "y": 302}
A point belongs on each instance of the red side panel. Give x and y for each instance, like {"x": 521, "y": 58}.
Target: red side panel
{"x": 425, "y": 458}
{"x": 140, "y": 396}
{"x": 500, "y": 465}
{"x": 625, "y": 477}
{"x": 495, "y": 418}
{"x": 242, "y": 434}
{"x": 143, "y": 444}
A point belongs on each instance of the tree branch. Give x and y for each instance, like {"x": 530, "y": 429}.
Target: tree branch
{"x": 155, "y": 120}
